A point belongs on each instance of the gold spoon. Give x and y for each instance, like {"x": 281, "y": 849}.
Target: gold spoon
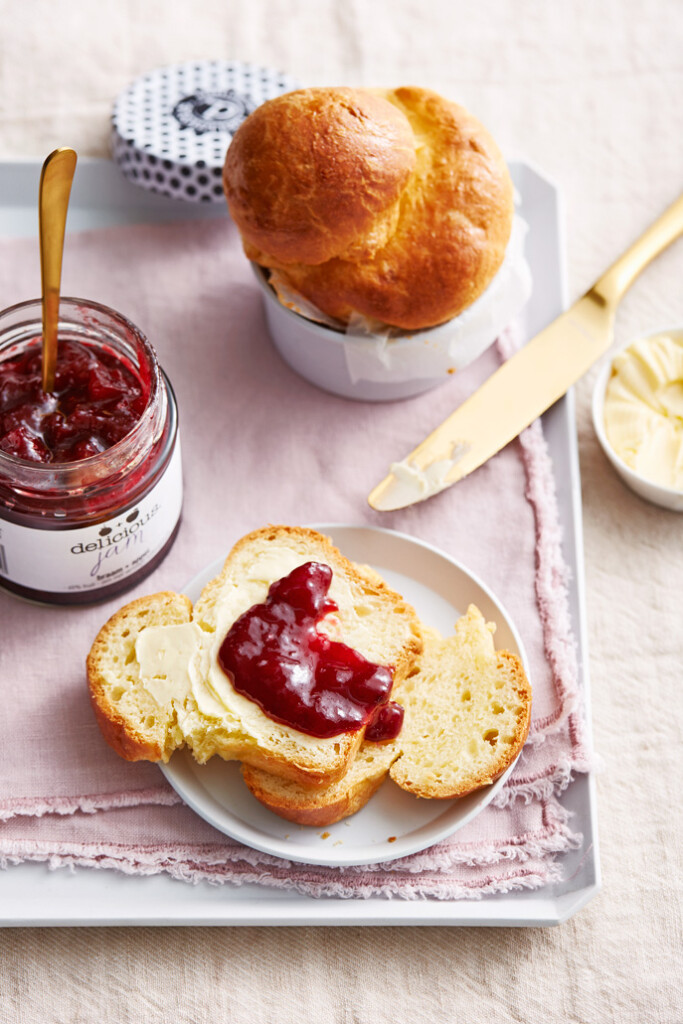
{"x": 53, "y": 203}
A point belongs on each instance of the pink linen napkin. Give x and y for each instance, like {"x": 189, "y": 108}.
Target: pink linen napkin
{"x": 261, "y": 445}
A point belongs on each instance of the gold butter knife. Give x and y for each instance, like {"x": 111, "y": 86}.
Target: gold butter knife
{"x": 527, "y": 384}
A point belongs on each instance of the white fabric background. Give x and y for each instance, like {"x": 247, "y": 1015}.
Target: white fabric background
{"x": 591, "y": 91}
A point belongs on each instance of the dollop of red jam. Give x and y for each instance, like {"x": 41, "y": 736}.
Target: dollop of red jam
{"x": 298, "y": 676}
{"x": 97, "y": 400}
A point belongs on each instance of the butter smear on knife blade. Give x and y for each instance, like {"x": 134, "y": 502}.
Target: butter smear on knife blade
{"x": 413, "y": 483}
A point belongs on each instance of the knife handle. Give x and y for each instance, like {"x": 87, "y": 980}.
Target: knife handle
{"x": 623, "y": 272}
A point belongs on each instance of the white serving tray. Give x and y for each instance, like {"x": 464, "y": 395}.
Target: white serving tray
{"x": 32, "y": 895}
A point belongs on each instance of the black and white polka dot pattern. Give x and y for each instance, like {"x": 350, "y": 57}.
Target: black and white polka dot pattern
{"x": 172, "y": 126}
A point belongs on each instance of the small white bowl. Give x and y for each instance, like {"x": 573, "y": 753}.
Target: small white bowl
{"x": 657, "y": 494}
{"x": 379, "y": 370}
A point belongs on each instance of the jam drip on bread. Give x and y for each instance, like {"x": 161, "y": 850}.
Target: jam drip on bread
{"x": 275, "y": 655}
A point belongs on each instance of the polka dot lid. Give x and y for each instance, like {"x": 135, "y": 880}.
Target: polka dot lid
{"x": 172, "y": 126}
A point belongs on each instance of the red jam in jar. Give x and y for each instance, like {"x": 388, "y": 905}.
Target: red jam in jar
{"x": 97, "y": 399}
{"x": 298, "y": 676}
{"x": 90, "y": 474}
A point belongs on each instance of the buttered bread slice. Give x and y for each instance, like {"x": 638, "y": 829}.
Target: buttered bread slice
{"x": 155, "y": 676}
{"x": 467, "y": 712}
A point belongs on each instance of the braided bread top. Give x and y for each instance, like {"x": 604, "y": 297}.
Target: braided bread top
{"x": 395, "y": 204}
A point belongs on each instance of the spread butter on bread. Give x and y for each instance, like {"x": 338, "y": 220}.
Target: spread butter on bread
{"x": 153, "y": 673}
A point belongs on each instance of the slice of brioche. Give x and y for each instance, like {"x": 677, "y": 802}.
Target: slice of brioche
{"x": 372, "y": 619}
{"x": 467, "y": 712}
{"x": 131, "y": 720}
{"x": 323, "y": 805}
{"x": 206, "y": 713}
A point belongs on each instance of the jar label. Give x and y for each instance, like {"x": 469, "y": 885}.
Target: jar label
{"x": 88, "y": 558}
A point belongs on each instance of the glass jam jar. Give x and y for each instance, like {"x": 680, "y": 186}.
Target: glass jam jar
{"x": 73, "y": 532}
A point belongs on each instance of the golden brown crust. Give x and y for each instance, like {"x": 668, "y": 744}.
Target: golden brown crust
{"x": 414, "y": 265}
{"x": 258, "y": 758}
{"x": 120, "y": 630}
{"x": 293, "y": 170}
{"x": 324, "y": 805}
{"x": 120, "y": 736}
{"x": 314, "y": 807}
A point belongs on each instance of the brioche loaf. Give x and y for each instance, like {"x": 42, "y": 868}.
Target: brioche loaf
{"x": 394, "y": 204}
{"x": 154, "y": 678}
{"x": 467, "y": 711}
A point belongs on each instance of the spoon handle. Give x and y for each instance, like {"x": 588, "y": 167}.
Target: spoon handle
{"x": 53, "y": 203}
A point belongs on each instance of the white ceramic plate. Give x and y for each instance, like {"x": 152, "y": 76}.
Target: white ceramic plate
{"x": 394, "y": 823}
